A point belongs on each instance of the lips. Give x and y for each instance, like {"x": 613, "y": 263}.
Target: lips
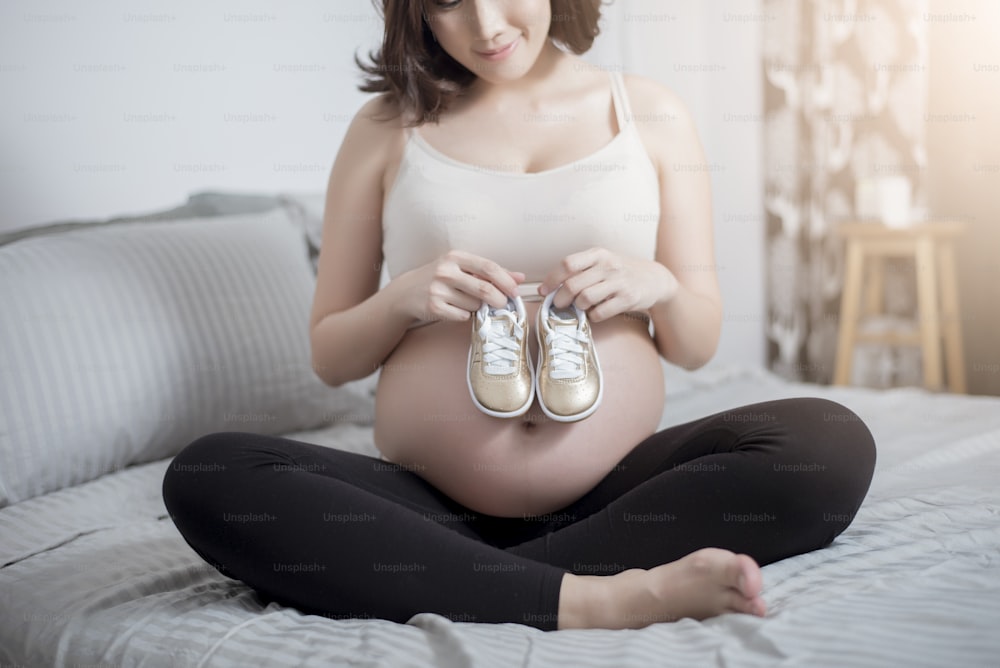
{"x": 501, "y": 53}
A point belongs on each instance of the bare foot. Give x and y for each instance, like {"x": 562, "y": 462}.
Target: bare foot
{"x": 705, "y": 583}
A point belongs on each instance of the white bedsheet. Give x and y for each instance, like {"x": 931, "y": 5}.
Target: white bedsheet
{"x": 98, "y": 574}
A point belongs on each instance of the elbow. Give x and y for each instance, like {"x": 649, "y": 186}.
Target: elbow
{"x": 704, "y": 348}
{"x": 326, "y": 374}
{"x": 331, "y": 375}
{"x": 693, "y": 357}
{"x": 333, "y": 370}
{"x": 694, "y": 344}
{"x": 693, "y": 362}
{"x": 703, "y": 356}
{"x": 340, "y": 375}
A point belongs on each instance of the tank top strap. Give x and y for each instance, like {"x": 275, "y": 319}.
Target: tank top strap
{"x": 623, "y": 110}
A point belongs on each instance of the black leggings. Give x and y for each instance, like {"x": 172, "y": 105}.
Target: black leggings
{"x": 345, "y": 535}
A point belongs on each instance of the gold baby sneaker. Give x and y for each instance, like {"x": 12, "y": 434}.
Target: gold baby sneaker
{"x": 501, "y": 378}
{"x": 568, "y": 379}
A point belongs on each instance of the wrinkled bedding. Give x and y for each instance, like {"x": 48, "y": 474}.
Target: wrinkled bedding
{"x": 98, "y": 574}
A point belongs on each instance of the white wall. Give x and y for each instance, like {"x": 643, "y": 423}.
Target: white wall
{"x": 114, "y": 108}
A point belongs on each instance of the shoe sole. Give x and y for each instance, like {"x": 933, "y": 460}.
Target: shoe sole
{"x": 497, "y": 414}
{"x": 576, "y": 417}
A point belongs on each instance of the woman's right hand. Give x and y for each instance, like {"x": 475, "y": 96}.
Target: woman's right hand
{"x": 454, "y": 285}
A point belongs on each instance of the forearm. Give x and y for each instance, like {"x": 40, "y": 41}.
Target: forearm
{"x": 687, "y": 328}
{"x": 351, "y": 344}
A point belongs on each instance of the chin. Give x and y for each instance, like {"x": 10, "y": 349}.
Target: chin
{"x": 509, "y": 71}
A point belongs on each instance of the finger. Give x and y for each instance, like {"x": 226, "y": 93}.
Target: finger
{"x": 570, "y": 265}
{"x": 451, "y": 313}
{"x": 449, "y": 281}
{"x": 464, "y": 302}
{"x": 493, "y": 273}
{"x": 594, "y": 294}
{"x": 576, "y": 284}
{"x": 607, "y": 309}
{"x": 442, "y": 308}
{"x": 480, "y": 290}
{"x": 473, "y": 276}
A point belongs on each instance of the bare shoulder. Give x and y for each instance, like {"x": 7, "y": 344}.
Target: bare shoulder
{"x": 377, "y": 122}
{"x": 373, "y": 145}
{"x": 655, "y": 104}
{"x": 662, "y": 117}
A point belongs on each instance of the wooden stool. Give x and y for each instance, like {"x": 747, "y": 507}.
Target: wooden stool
{"x": 930, "y": 244}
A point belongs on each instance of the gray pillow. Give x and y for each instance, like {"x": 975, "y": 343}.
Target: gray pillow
{"x": 207, "y": 203}
{"x": 123, "y": 343}
{"x": 306, "y": 209}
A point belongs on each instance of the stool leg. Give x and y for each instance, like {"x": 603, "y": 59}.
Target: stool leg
{"x": 849, "y": 307}
{"x": 928, "y": 316}
{"x": 954, "y": 357}
{"x": 876, "y": 285}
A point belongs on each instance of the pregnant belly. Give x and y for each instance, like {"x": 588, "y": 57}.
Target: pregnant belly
{"x": 426, "y": 422}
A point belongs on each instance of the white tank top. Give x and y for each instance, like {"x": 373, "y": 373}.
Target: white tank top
{"x": 524, "y": 222}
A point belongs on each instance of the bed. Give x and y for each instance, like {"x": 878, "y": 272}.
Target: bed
{"x": 93, "y": 571}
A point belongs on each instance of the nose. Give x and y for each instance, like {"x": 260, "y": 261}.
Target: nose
{"x": 489, "y": 18}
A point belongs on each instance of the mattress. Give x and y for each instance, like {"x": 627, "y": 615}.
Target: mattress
{"x": 98, "y": 575}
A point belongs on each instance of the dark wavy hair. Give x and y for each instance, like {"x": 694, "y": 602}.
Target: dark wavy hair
{"x": 420, "y": 78}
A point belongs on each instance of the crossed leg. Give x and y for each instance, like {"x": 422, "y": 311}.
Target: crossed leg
{"x": 346, "y": 535}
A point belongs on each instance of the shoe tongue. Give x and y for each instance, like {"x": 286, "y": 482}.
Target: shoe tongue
{"x": 509, "y": 310}
{"x": 563, "y": 316}
{"x": 502, "y": 322}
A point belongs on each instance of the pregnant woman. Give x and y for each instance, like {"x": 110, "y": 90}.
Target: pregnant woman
{"x": 496, "y": 169}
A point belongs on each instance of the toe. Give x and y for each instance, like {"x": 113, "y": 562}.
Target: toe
{"x": 736, "y": 602}
{"x": 751, "y": 606}
{"x": 747, "y": 576}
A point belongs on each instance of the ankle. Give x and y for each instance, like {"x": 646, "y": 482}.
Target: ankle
{"x": 581, "y": 599}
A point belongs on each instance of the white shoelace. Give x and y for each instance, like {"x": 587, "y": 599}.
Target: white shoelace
{"x": 567, "y": 356}
{"x": 502, "y": 336}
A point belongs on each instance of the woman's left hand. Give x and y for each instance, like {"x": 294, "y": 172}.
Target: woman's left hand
{"x": 605, "y": 284}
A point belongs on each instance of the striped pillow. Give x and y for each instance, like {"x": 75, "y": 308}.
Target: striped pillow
{"x": 122, "y": 343}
